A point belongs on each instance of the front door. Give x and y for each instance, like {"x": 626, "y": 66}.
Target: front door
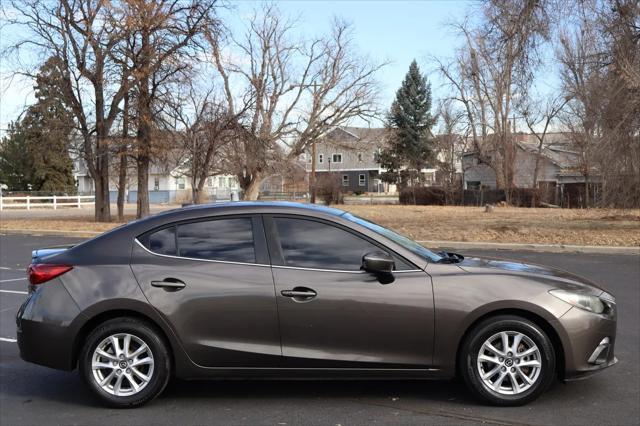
{"x": 332, "y": 314}
{"x": 212, "y": 282}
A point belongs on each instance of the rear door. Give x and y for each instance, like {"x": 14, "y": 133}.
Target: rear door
{"x": 333, "y": 314}
{"x": 212, "y": 281}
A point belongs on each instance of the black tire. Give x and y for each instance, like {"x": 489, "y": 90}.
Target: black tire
{"x": 161, "y": 361}
{"x": 468, "y": 365}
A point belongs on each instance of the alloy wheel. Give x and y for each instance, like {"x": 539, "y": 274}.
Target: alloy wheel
{"x": 122, "y": 364}
{"x": 509, "y": 363}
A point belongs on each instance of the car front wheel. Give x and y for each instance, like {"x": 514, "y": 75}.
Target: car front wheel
{"x": 508, "y": 360}
{"x": 125, "y": 362}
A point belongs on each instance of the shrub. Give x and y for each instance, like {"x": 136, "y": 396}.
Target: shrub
{"x": 423, "y": 195}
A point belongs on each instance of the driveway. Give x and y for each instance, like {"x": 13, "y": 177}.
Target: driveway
{"x": 30, "y": 394}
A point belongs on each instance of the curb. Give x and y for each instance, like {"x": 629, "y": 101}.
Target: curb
{"x": 551, "y": 248}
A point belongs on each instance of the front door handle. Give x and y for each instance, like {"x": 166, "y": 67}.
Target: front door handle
{"x": 169, "y": 284}
{"x": 300, "y": 294}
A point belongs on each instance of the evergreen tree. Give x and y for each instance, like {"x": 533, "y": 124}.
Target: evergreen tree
{"x": 15, "y": 166}
{"x": 35, "y": 155}
{"x": 409, "y": 122}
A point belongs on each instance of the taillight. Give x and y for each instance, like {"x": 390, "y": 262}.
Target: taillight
{"x": 42, "y": 272}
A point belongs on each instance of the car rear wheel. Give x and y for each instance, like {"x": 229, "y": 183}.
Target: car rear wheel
{"x": 125, "y": 362}
{"x": 507, "y": 360}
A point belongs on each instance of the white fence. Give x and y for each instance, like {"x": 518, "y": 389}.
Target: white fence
{"x": 55, "y": 201}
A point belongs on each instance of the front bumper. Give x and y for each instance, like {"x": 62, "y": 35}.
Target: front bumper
{"x": 589, "y": 342}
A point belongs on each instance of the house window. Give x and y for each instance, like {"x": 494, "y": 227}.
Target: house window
{"x": 320, "y": 158}
{"x": 336, "y": 158}
{"x": 156, "y": 184}
{"x": 473, "y": 184}
{"x": 345, "y": 180}
{"x": 362, "y": 180}
{"x": 359, "y": 157}
{"x": 210, "y": 181}
{"x": 220, "y": 182}
{"x": 181, "y": 183}
{"x": 376, "y": 157}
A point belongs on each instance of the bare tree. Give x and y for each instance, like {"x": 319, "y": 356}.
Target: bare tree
{"x": 538, "y": 116}
{"x": 450, "y": 145}
{"x": 494, "y": 65}
{"x": 204, "y": 130}
{"x": 163, "y": 40}
{"x": 298, "y": 90}
{"x": 80, "y": 33}
{"x": 599, "y": 69}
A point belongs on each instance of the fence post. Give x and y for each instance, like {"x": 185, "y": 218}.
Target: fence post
{"x": 79, "y": 205}
{"x": 28, "y": 203}
{"x": 55, "y": 202}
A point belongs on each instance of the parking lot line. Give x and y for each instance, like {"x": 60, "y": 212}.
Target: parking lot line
{"x": 12, "y": 279}
{"x": 13, "y": 291}
{"x": 6, "y": 339}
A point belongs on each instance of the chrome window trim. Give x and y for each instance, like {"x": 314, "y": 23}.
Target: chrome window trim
{"x": 200, "y": 260}
{"x": 261, "y": 264}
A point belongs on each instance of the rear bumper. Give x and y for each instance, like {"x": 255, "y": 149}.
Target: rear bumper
{"x": 44, "y": 332}
{"x": 589, "y": 343}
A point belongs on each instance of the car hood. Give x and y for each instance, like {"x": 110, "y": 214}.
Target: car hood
{"x": 554, "y": 278}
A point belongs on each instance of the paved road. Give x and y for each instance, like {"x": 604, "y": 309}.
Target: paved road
{"x": 30, "y": 394}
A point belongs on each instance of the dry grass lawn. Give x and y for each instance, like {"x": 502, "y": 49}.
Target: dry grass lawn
{"x": 509, "y": 225}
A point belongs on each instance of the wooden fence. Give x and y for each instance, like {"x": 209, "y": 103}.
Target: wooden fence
{"x": 54, "y": 201}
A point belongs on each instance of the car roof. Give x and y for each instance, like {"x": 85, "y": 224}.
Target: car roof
{"x": 263, "y": 206}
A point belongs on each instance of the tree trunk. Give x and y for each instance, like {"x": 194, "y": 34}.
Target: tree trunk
{"x": 122, "y": 184}
{"x": 102, "y": 207}
{"x": 122, "y": 172}
{"x": 252, "y": 190}
{"x": 142, "y": 203}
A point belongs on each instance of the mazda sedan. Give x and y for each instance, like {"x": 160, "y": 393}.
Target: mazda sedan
{"x": 286, "y": 290}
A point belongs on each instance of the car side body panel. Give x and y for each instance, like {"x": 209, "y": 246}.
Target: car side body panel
{"x": 103, "y": 281}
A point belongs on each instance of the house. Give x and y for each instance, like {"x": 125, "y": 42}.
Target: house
{"x": 559, "y": 165}
{"x": 167, "y": 183}
{"x": 351, "y": 155}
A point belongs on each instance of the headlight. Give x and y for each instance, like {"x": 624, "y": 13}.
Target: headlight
{"x": 579, "y": 300}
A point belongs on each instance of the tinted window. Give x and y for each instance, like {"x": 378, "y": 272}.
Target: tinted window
{"x": 163, "y": 241}
{"x": 230, "y": 240}
{"x": 311, "y": 244}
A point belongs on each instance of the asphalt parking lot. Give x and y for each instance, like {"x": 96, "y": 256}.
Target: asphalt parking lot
{"x": 31, "y": 394}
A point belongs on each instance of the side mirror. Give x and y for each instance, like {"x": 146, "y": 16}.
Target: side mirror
{"x": 378, "y": 262}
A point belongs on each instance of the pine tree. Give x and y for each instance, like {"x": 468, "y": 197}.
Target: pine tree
{"x": 409, "y": 122}
{"x": 35, "y": 155}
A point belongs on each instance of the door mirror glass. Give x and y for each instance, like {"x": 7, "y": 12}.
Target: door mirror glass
{"x": 378, "y": 262}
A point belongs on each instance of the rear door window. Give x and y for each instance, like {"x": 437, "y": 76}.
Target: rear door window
{"x": 163, "y": 242}
{"x": 229, "y": 240}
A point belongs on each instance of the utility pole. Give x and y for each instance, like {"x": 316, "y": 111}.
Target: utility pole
{"x": 312, "y": 176}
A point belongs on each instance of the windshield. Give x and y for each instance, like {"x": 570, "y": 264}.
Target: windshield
{"x": 405, "y": 242}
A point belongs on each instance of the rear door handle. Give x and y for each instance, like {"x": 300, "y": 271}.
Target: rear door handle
{"x": 169, "y": 284}
{"x": 300, "y": 293}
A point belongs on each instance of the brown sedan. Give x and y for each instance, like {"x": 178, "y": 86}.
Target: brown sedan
{"x": 288, "y": 290}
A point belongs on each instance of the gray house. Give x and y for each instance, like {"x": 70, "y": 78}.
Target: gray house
{"x": 559, "y": 165}
{"x": 351, "y": 155}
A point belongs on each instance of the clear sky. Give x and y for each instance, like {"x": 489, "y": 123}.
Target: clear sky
{"x": 396, "y": 31}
